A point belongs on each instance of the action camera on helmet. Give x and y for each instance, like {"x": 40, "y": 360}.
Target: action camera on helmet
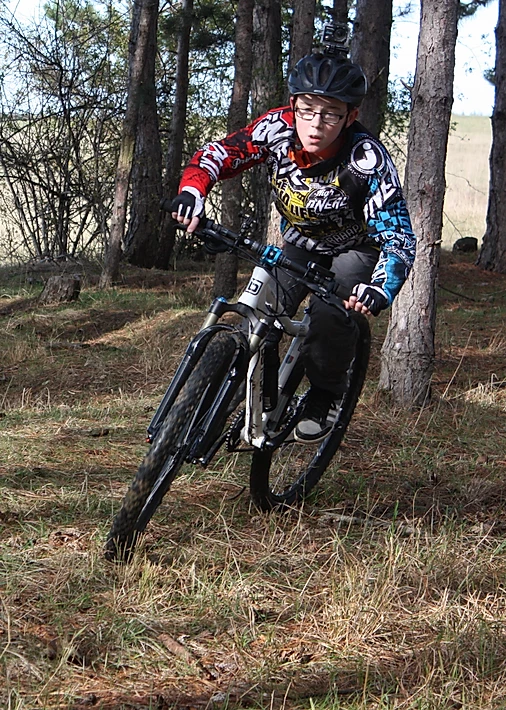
{"x": 335, "y": 38}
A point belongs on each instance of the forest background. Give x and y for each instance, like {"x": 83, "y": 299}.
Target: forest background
{"x": 66, "y": 209}
{"x": 385, "y": 590}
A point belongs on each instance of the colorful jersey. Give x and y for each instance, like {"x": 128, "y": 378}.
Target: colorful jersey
{"x": 353, "y": 198}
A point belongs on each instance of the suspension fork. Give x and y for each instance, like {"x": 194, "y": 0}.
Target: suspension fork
{"x": 257, "y": 422}
{"x": 191, "y": 357}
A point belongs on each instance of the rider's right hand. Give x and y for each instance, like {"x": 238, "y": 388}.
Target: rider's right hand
{"x": 187, "y": 208}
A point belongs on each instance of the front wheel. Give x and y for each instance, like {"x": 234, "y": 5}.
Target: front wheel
{"x": 284, "y": 476}
{"x": 170, "y": 447}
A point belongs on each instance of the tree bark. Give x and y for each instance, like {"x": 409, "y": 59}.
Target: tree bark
{"x": 371, "y": 49}
{"x": 493, "y": 251}
{"x": 340, "y": 11}
{"x": 61, "y": 289}
{"x": 266, "y": 79}
{"x": 225, "y": 276}
{"x": 266, "y": 92}
{"x": 302, "y": 31}
{"x": 176, "y": 138}
{"x": 408, "y": 352}
{"x": 141, "y": 243}
{"x": 139, "y": 48}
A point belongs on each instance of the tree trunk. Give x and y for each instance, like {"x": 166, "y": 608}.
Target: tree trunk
{"x": 61, "y": 288}
{"x": 493, "y": 251}
{"x": 267, "y": 78}
{"x": 225, "y": 276}
{"x": 266, "y": 92}
{"x": 371, "y": 49}
{"x": 141, "y": 243}
{"x": 139, "y": 48}
{"x": 301, "y": 40}
{"x": 408, "y": 351}
{"x": 340, "y": 11}
{"x": 176, "y": 137}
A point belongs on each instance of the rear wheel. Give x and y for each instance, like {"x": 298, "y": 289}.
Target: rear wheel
{"x": 170, "y": 447}
{"x": 284, "y": 476}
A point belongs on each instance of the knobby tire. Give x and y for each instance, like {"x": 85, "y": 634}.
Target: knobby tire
{"x": 167, "y": 452}
{"x": 302, "y": 476}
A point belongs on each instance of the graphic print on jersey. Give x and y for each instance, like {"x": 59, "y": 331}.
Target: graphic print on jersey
{"x": 314, "y": 206}
{"x": 366, "y": 158}
{"x": 355, "y": 199}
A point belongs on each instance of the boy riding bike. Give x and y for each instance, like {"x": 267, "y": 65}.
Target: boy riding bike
{"x": 341, "y": 206}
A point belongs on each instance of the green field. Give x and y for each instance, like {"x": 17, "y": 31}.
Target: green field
{"x": 467, "y": 176}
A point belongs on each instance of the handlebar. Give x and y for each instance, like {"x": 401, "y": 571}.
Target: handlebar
{"x": 320, "y": 280}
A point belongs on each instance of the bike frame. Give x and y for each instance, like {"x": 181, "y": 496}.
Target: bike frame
{"x": 258, "y": 304}
{"x": 260, "y": 296}
{"x": 230, "y": 362}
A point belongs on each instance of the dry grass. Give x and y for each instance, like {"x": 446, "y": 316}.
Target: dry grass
{"x": 467, "y": 176}
{"x": 385, "y": 590}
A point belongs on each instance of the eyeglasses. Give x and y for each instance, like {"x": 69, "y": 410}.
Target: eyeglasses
{"x": 307, "y": 114}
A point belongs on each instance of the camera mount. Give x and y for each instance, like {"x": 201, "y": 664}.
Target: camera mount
{"x": 335, "y": 38}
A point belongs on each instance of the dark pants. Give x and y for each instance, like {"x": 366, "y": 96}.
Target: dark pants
{"x": 330, "y": 343}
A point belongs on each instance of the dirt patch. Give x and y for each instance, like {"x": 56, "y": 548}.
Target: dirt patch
{"x": 459, "y": 273}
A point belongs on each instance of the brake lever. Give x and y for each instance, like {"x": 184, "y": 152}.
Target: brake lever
{"x": 315, "y": 268}
{"x": 247, "y": 227}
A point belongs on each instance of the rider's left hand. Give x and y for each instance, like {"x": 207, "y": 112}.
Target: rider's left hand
{"x": 367, "y": 299}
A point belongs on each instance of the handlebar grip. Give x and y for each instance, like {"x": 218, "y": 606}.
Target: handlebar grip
{"x": 213, "y": 229}
{"x": 205, "y": 223}
{"x": 341, "y": 291}
{"x": 316, "y": 274}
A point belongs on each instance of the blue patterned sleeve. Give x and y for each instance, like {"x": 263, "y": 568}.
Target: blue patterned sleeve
{"x": 389, "y": 225}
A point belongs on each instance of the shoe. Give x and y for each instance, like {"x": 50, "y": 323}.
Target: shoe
{"x": 315, "y": 426}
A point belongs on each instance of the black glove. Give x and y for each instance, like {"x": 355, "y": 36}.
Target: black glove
{"x": 189, "y": 203}
{"x": 372, "y": 297}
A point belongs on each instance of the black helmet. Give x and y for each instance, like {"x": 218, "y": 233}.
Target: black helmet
{"x": 328, "y": 75}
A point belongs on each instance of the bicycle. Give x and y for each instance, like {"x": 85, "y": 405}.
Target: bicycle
{"x": 223, "y": 367}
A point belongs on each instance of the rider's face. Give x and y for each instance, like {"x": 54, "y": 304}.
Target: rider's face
{"x": 317, "y": 131}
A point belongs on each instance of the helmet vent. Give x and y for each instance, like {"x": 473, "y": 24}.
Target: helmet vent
{"x": 332, "y": 76}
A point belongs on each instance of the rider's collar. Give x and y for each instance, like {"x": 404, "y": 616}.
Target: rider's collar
{"x": 329, "y": 158}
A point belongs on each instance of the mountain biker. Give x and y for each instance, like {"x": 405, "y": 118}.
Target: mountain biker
{"x": 341, "y": 206}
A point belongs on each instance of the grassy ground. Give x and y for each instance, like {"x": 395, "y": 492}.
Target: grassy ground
{"x": 385, "y": 590}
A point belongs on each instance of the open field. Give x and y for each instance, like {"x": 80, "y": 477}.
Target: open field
{"x": 385, "y": 590}
{"x": 467, "y": 176}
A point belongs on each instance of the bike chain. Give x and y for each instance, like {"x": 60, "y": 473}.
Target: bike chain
{"x": 232, "y": 438}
